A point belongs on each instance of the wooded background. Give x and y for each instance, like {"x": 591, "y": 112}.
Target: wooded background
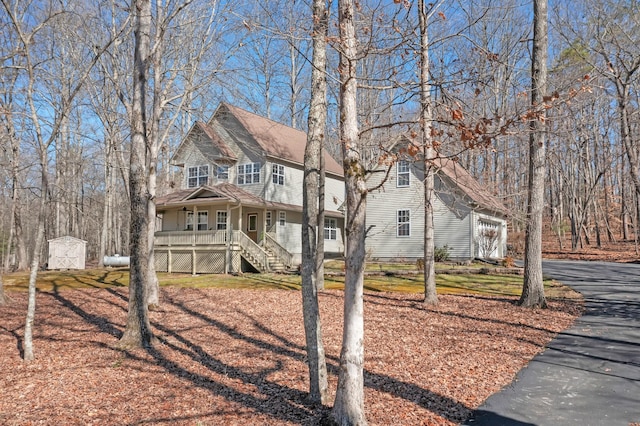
{"x": 66, "y": 94}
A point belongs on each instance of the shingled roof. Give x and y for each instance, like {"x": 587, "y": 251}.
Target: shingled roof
{"x": 278, "y": 140}
{"x": 223, "y": 148}
{"x": 469, "y": 185}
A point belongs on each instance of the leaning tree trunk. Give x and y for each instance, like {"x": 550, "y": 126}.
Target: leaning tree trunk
{"x": 348, "y": 408}
{"x": 429, "y": 153}
{"x": 533, "y": 288}
{"x": 35, "y": 261}
{"x": 138, "y": 329}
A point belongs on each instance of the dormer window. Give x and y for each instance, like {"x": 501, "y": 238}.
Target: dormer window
{"x": 197, "y": 176}
{"x": 248, "y": 173}
{"x": 277, "y": 175}
{"x": 402, "y": 174}
{"x": 223, "y": 172}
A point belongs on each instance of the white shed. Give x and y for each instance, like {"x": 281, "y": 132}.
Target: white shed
{"x": 67, "y": 253}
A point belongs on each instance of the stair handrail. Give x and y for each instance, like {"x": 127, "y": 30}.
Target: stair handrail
{"x": 250, "y": 246}
{"x": 280, "y": 252}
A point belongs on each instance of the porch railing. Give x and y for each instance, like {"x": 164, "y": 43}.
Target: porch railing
{"x": 190, "y": 238}
{"x": 239, "y": 240}
{"x": 281, "y": 253}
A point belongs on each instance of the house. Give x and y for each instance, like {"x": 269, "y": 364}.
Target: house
{"x": 239, "y": 207}
{"x": 67, "y": 253}
{"x": 468, "y": 220}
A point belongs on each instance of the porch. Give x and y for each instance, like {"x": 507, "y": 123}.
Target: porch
{"x": 218, "y": 252}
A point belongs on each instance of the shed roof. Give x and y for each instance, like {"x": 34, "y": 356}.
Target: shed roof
{"x": 67, "y": 239}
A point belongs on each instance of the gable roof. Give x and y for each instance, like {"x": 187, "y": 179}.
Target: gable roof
{"x": 469, "y": 185}
{"x": 460, "y": 177}
{"x": 216, "y": 140}
{"x": 277, "y": 140}
{"x": 211, "y": 146}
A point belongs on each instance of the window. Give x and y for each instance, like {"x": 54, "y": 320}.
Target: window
{"x": 330, "y": 229}
{"x": 197, "y": 176}
{"x": 402, "y": 173}
{"x": 267, "y": 219}
{"x": 248, "y": 173}
{"x": 221, "y": 220}
{"x": 404, "y": 223}
{"x": 252, "y": 222}
{"x": 278, "y": 174}
{"x": 223, "y": 172}
{"x": 189, "y": 221}
{"x": 282, "y": 218}
{"x": 203, "y": 221}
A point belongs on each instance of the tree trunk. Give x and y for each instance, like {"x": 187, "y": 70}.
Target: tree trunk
{"x": 3, "y": 296}
{"x": 22, "y": 258}
{"x": 533, "y": 289}
{"x": 348, "y": 408}
{"x": 312, "y": 233}
{"x": 321, "y": 198}
{"x": 429, "y": 153}
{"x": 35, "y": 260}
{"x": 138, "y": 329}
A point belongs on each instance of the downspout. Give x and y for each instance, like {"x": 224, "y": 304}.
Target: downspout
{"x": 472, "y": 233}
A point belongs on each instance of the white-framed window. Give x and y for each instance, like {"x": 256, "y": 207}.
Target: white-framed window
{"x": 277, "y": 175}
{"x": 248, "y": 173}
{"x": 268, "y": 219}
{"x": 252, "y": 222}
{"x": 221, "y": 220}
{"x": 203, "y": 221}
{"x": 197, "y": 176}
{"x": 222, "y": 172}
{"x": 404, "y": 223}
{"x": 330, "y": 229}
{"x": 402, "y": 173}
{"x": 282, "y": 218}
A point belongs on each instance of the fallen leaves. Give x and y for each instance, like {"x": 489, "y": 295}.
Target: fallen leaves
{"x": 237, "y": 357}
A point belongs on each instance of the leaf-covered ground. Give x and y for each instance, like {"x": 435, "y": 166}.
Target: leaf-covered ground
{"x": 236, "y": 357}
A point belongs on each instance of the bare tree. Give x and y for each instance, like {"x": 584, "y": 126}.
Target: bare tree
{"x": 348, "y": 408}
{"x": 429, "y": 153}
{"x": 533, "y": 286}
{"x": 138, "y": 332}
{"x": 312, "y": 230}
{"x": 26, "y": 30}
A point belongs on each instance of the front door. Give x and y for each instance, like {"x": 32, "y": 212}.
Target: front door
{"x": 252, "y": 226}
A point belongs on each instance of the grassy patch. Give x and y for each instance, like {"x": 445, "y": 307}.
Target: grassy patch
{"x": 496, "y": 285}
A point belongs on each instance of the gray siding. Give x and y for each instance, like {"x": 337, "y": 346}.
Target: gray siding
{"x": 453, "y": 220}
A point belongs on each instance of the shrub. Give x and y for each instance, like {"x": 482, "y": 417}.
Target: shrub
{"x": 441, "y": 254}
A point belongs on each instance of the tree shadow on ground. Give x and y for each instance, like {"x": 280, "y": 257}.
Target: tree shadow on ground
{"x": 286, "y": 404}
{"x": 439, "y": 404}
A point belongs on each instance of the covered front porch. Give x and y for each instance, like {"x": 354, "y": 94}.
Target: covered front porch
{"x": 207, "y": 232}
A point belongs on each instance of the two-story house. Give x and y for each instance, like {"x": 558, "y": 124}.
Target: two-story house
{"x": 240, "y": 206}
{"x": 468, "y": 220}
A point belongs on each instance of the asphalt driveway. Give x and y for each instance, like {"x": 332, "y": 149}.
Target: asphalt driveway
{"x": 590, "y": 374}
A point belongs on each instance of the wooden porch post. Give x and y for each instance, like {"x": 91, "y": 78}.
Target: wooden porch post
{"x": 264, "y": 226}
